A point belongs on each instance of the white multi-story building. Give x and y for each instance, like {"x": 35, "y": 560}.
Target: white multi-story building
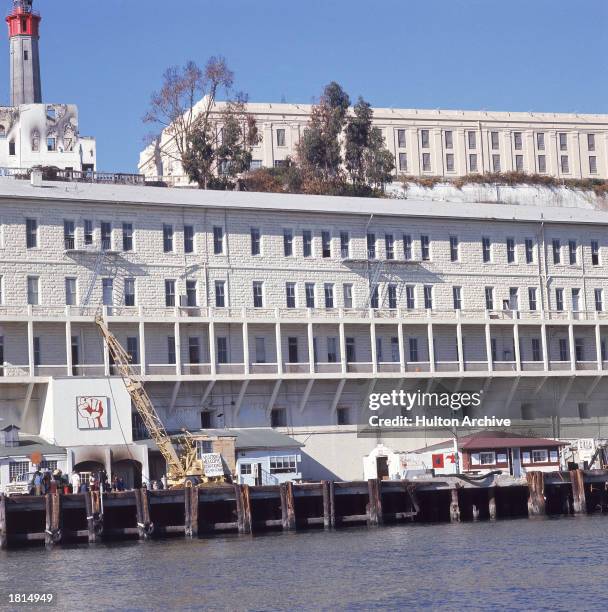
{"x": 255, "y": 310}
{"x": 444, "y": 143}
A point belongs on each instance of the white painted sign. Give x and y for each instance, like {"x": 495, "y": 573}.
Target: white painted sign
{"x": 93, "y": 412}
{"x": 212, "y": 464}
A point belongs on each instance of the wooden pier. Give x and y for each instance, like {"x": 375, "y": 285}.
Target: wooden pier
{"x": 194, "y": 512}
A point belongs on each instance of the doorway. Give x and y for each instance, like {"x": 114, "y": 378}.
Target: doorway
{"x": 382, "y": 467}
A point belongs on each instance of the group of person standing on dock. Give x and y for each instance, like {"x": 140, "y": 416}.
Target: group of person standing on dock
{"x": 96, "y": 481}
{"x": 82, "y": 482}
{"x": 46, "y": 482}
{"x": 57, "y": 482}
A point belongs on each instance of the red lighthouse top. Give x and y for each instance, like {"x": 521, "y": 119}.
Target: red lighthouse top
{"x": 23, "y": 21}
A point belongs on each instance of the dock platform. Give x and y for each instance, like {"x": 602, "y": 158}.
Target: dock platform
{"x": 92, "y": 517}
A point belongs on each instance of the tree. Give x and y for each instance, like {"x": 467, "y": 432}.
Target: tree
{"x": 220, "y": 146}
{"x": 204, "y": 140}
{"x": 357, "y": 139}
{"x": 378, "y": 161}
{"x": 319, "y": 150}
{"x": 368, "y": 162}
{"x": 342, "y": 152}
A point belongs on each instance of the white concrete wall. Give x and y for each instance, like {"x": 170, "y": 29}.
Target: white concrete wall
{"x": 60, "y": 422}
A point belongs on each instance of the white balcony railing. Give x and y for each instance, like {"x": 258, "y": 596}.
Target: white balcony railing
{"x": 476, "y": 365}
{"x": 532, "y": 366}
{"x": 230, "y": 368}
{"x": 12, "y": 370}
{"x": 388, "y": 367}
{"x": 505, "y": 366}
{"x": 296, "y": 368}
{"x": 441, "y": 368}
{"x": 328, "y": 367}
{"x": 446, "y": 366}
{"x": 88, "y": 370}
{"x": 196, "y": 368}
{"x": 159, "y": 369}
{"x": 263, "y": 368}
{"x": 349, "y": 315}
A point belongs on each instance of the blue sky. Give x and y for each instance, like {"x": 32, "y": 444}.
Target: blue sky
{"x": 107, "y": 56}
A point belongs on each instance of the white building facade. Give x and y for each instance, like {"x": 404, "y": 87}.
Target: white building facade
{"x": 44, "y": 135}
{"x": 443, "y": 143}
{"x": 250, "y": 310}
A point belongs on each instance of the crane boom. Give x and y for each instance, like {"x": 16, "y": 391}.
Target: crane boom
{"x": 142, "y": 401}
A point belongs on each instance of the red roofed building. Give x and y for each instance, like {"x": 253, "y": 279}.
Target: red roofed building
{"x": 486, "y": 451}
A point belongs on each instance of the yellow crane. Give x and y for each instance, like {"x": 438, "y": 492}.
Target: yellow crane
{"x": 183, "y": 468}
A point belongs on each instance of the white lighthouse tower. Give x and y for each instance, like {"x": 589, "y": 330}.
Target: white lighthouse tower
{"x": 23, "y": 30}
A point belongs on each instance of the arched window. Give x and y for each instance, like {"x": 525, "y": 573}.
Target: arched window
{"x": 2, "y": 131}
{"x": 68, "y": 138}
{"x": 35, "y": 140}
{"x": 51, "y": 141}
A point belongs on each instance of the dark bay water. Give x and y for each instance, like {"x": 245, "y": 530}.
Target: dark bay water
{"x": 559, "y": 564}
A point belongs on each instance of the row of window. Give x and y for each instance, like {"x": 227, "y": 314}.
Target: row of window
{"x": 494, "y": 140}
{"x": 413, "y": 350}
{"x": 390, "y": 243}
{"x": 517, "y": 139}
{"x": 473, "y": 165}
{"x": 390, "y": 298}
{"x": 51, "y": 145}
{"x": 528, "y": 457}
{"x": 294, "y": 355}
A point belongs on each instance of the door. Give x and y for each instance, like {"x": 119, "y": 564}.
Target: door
{"x": 515, "y": 456}
{"x": 292, "y": 345}
{"x": 247, "y": 474}
{"x": 382, "y": 467}
{"x": 75, "y": 356}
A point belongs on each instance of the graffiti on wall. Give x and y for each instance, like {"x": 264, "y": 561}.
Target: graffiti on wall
{"x": 93, "y": 412}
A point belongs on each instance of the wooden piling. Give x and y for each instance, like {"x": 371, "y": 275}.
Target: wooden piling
{"x": 288, "y": 510}
{"x": 48, "y": 516}
{"x": 242, "y": 512}
{"x": 3, "y": 529}
{"x": 492, "y": 503}
{"x": 410, "y": 490}
{"x": 52, "y": 532}
{"x": 90, "y": 519}
{"x": 579, "y": 505}
{"x": 246, "y": 508}
{"x": 374, "y": 507}
{"x": 142, "y": 508}
{"x": 187, "y": 513}
{"x": 454, "y": 506}
{"x": 325, "y": 488}
{"x": 191, "y": 512}
{"x": 536, "y": 494}
{"x": 332, "y": 504}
